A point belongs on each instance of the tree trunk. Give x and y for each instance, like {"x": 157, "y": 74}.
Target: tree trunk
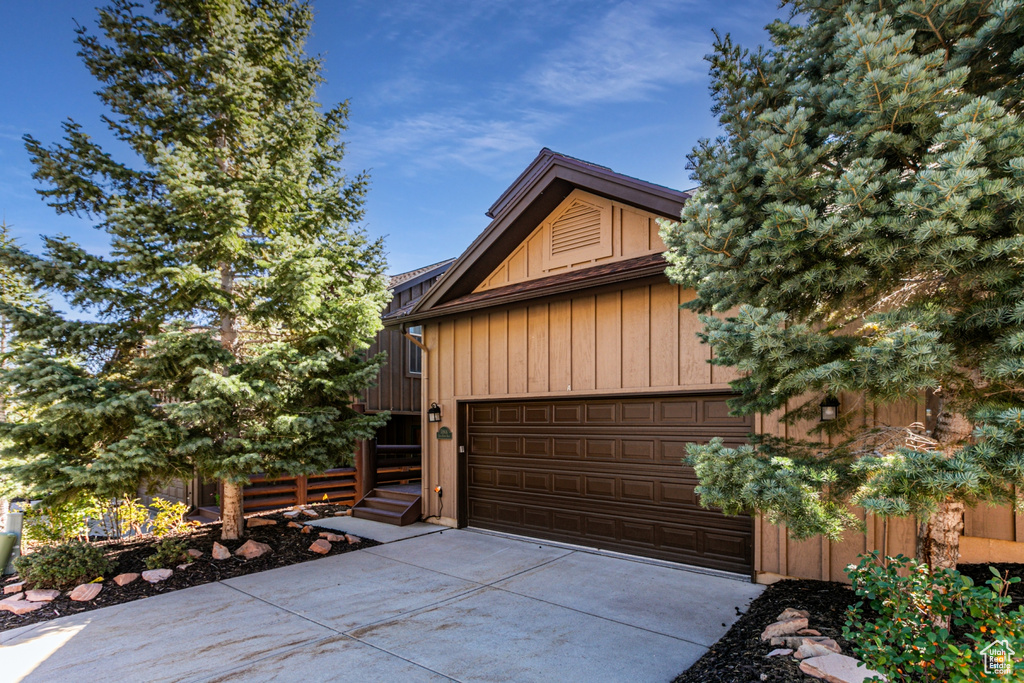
{"x": 231, "y": 512}
{"x": 231, "y": 509}
{"x": 938, "y": 538}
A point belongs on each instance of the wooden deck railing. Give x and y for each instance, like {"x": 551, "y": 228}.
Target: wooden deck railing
{"x": 375, "y": 466}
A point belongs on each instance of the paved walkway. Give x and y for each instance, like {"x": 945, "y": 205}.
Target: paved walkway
{"x": 452, "y": 605}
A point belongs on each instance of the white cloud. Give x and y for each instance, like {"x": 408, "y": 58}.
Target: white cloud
{"x": 435, "y": 140}
{"x": 625, "y": 55}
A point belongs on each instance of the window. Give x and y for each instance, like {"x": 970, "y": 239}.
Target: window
{"x": 415, "y": 352}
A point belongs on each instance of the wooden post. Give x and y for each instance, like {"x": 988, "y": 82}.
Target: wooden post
{"x": 300, "y": 490}
{"x": 366, "y": 468}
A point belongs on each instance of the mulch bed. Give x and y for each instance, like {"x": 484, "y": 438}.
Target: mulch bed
{"x": 290, "y": 546}
{"x": 739, "y": 657}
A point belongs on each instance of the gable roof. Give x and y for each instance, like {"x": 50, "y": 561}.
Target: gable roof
{"x": 403, "y": 281}
{"x": 538, "y": 190}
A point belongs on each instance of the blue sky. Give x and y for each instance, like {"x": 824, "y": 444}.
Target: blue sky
{"x": 450, "y": 100}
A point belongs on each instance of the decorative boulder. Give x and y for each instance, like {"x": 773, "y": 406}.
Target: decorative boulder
{"x": 39, "y": 595}
{"x": 251, "y": 549}
{"x": 838, "y": 669}
{"x": 220, "y": 552}
{"x": 14, "y": 588}
{"x": 195, "y": 554}
{"x": 310, "y": 513}
{"x": 125, "y": 579}
{"x": 259, "y": 521}
{"x": 157, "y": 575}
{"x": 786, "y": 627}
{"x": 86, "y": 592}
{"x": 353, "y": 539}
{"x": 320, "y": 547}
{"x": 333, "y": 538}
{"x": 790, "y": 613}
{"x": 16, "y": 605}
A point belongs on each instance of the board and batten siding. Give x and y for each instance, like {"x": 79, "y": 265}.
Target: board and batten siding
{"x": 396, "y": 390}
{"x": 610, "y": 232}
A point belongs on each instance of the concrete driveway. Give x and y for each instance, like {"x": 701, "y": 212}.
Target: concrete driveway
{"x": 453, "y": 605}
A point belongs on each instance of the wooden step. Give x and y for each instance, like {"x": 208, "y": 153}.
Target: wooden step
{"x": 395, "y": 495}
{"x": 386, "y": 504}
{"x": 378, "y": 515}
{"x": 391, "y": 507}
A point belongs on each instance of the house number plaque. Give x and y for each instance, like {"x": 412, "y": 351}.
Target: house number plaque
{"x": 444, "y": 433}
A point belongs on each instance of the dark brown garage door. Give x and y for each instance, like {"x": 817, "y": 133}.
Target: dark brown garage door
{"x": 605, "y": 473}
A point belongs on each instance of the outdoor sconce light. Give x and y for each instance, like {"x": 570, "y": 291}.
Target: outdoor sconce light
{"x": 434, "y": 413}
{"x": 829, "y": 408}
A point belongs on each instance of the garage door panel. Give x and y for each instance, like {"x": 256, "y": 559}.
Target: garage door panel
{"x": 606, "y": 473}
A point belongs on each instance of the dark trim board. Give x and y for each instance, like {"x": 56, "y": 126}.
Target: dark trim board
{"x": 603, "y": 472}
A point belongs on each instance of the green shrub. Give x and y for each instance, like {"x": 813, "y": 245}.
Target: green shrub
{"x": 54, "y": 523}
{"x": 928, "y": 626}
{"x": 168, "y": 553}
{"x": 120, "y": 517}
{"x": 169, "y": 518}
{"x": 62, "y": 566}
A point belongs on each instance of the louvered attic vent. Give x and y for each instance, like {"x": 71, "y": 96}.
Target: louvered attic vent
{"x": 580, "y": 230}
{"x": 578, "y": 227}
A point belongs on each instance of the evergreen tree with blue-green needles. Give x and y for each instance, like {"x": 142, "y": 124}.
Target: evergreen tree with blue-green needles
{"x": 230, "y": 319}
{"x": 863, "y": 219}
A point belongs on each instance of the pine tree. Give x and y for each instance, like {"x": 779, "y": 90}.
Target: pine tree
{"x": 864, "y": 211}
{"x": 231, "y": 317}
{"x": 15, "y": 290}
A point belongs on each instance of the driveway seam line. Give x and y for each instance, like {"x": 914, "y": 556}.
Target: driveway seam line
{"x": 283, "y": 609}
{"x": 404, "y": 659}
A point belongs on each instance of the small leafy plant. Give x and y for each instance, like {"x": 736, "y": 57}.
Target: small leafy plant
{"x": 57, "y": 523}
{"x": 62, "y": 566}
{"x": 121, "y": 517}
{"x": 169, "y": 518}
{"x": 168, "y": 553}
{"x": 916, "y": 624}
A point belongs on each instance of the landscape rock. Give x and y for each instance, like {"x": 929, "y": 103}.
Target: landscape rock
{"x": 86, "y": 592}
{"x": 39, "y": 595}
{"x": 790, "y": 613}
{"x": 125, "y": 579}
{"x": 292, "y": 514}
{"x": 310, "y": 513}
{"x": 294, "y": 525}
{"x": 195, "y": 554}
{"x": 251, "y": 549}
{"x": 157, "y": 575}
{"x": 838, "y": 669}
{"x": 307, "y": 529}
{"x": 259, "y": 521}
{"x": 333, "y": 538}
{"x": 184, "y": 566}
{"x": 220, "y": 552}
{"x": 343, "y": 513}
{"x": 353, "y": 539}
{"x": 16, "y": 605}
{"x": 787, "y": 627}
{"x": 795, "y": 642}
{"x": 808, "y": 632}
{"x": 320, "y": 547}
{"x": 14, "y": 588}
{"x": 780, "y": 652}
{"x": 813, "y": 649}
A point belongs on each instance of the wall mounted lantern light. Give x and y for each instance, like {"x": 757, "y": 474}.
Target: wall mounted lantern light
{"x": 829, "y": 408}
{"x": 434, "y": 413}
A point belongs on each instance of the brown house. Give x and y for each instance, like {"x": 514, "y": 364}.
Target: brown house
{"x": 569, "y": 383}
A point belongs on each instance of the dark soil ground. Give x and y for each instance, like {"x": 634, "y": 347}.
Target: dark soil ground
{"x": 289, "y": 545}
{"x": 740, "y": 656}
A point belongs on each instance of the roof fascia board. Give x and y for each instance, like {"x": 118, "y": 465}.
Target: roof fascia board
{"x": 547, "y": 168}
{"x": 608, "y": 281}
{"x": 433, "y": 272}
